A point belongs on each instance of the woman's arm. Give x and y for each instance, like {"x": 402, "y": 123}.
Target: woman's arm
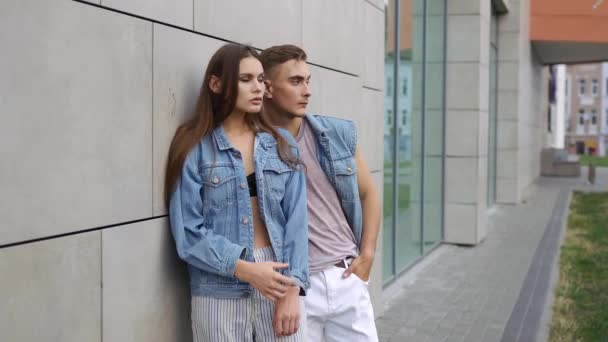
{"x": 196, "y": 244}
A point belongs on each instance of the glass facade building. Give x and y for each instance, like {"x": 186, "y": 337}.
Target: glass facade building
{"x": 414, "y": 131}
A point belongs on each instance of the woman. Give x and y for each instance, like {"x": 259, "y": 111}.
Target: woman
{"x": 237, "y": 208}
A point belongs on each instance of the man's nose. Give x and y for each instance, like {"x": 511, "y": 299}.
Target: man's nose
{"x": 307, "y": 89}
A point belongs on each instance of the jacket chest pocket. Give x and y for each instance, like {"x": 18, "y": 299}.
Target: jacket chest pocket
{"x": 276, "y": 174}
{"x": 219, "y": 184}
{"x": 346, "y": 177}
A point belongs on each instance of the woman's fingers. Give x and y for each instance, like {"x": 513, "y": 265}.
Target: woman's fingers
{"x": 283, "y": 279}
{"x": 278, "y": 287}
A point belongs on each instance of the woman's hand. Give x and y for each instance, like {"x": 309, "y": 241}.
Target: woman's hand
{"x": 264, "y": 278}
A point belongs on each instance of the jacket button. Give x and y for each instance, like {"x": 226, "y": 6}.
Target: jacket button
{"x": 245, "y": 220}
{"x": 243, "y": 186}
{"x": 216, "y": 180}
{"x": 349, "y": 169}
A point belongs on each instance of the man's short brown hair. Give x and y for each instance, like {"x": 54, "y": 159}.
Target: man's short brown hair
{"x": 280, "y": 54}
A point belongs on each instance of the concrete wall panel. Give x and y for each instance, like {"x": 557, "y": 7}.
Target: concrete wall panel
{"x": 378, "y": 3}
{"x": 261, "y": 23}
{"x": 338, "y": 95}
{"x": 482, "y": 134}
{"x": 461, "y": 137}
{"x": 461, "y": 180}
{"x": 370, "y": 128}
{"x": 508, "y": 76}
{"x": 464, "y": 43}
{"x": 463, "y": 84}
{"x": 146, "y": 295}
{"x": 174, "y": 12}
{"x": 314, "y": 104}
{"x": 373, "y": 35}
{"x": 460, "y": 223}
{"x": 329, "y": 42}
{"x": 508, "y": 104}
{"x": 468, "y": 7}
{"x": 75, "y": 143}
{"x": 506, "y": 191}
{"x": 50, "y": 290}
{"x": 180, "y": 60}
{"x": 375, "y": 284}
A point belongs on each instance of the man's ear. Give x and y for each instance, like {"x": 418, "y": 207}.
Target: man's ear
{"x": 268, "y": 91}
{"x": 215, "y": 84}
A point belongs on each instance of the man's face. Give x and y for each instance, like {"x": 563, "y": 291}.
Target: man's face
{"x": 288, "y": 87}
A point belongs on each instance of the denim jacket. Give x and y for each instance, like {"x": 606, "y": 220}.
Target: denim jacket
{"x": 211, "y": 216}
{"x": 337, "y": 143}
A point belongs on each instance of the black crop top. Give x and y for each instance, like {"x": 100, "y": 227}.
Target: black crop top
{"x": 253, "y": 187}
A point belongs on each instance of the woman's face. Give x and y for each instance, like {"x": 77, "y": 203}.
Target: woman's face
{"x": 250, "y": 86}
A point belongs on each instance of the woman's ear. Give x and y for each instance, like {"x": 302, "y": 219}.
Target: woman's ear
{"x": 215, "y": 84}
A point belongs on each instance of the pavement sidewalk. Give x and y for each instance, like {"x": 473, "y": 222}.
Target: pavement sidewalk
{"x": 495, "y": 291}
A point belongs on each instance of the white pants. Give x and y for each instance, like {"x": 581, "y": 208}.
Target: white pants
{"x": 339, "y": 309}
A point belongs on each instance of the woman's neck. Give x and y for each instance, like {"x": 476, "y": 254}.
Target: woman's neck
{"x": 236, "y": 123}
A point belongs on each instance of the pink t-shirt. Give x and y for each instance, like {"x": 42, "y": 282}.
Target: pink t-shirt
{"x": 330, "y": 238}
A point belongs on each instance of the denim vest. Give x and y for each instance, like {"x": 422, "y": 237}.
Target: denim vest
{"x": 336, "y": 143}
{"x": 211, "y": 216}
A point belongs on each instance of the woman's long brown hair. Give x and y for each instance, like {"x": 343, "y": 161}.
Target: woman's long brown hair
{"x": 212, "y": 109}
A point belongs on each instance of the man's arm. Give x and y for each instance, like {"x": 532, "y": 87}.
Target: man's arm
{"x": 286, "y": 318}
{"x": 370, "y": 203}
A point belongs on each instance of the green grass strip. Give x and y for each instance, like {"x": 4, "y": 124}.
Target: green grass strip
{"x": 580, "y": 311}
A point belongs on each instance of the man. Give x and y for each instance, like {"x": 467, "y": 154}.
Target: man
{"x": 343, "y": 206}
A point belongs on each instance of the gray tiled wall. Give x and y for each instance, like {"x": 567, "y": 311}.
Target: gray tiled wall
{"x": 91, "y": 96}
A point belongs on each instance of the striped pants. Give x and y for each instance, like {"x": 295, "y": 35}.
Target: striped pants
{"x": 240, "y": 319}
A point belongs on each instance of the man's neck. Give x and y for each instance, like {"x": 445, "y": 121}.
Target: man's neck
{"x": 285, "y": 120}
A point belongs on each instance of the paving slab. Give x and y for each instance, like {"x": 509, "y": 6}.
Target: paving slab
{"x": 499, "y": 290}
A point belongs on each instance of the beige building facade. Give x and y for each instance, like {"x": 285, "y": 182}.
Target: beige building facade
{"x": 587, "y": 97}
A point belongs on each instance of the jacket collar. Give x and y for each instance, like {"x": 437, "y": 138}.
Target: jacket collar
{"x": 223, "y": 143}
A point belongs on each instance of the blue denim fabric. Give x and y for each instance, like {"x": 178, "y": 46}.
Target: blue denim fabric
{"x": 337, "y": 143}
{"x": 211, "y": 216}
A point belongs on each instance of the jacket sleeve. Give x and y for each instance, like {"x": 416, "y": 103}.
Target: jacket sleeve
{"x": 295, "y": 249}
{"x": 196, "y": 244}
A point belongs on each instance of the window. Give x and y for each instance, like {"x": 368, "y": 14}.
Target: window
{"x": 389, "y": 117}
{"x": 595, "y": 87}
{"x": 404, "y": 117}
{"x": 593, "y": 117}
{"x": 404, "y": 89}
{"x": 581, "y": 117}
{"x": 581, "y": 87}
{"x": 389, "y": 86}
